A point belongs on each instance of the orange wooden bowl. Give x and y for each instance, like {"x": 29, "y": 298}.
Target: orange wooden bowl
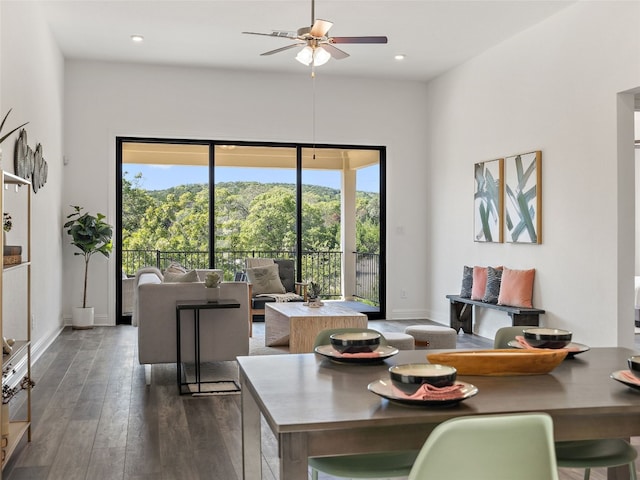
{"x": 498, "y": 362}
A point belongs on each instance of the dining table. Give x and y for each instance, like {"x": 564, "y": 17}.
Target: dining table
{"x": 317, "y": 406}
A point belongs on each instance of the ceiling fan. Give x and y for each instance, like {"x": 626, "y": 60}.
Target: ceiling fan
{"x": 318, "y": 47}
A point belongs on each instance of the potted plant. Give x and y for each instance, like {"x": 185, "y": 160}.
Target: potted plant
{"x": 212, "y": 284}
{"x": 314, "y": 294}
{"x": 90, "y": 234}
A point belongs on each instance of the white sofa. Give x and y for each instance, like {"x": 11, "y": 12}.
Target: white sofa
{"x": 224, "y": 333}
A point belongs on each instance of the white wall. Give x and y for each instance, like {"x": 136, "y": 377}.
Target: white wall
{"x": 31, "y": 80}
{"x": 553, "y": 88}
{"x": 105, "y": 100}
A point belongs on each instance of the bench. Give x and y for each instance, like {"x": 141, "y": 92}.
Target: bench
{"x": 461, "y": 313}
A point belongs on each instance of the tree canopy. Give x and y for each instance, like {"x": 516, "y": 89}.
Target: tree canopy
{"x": 247, "y": 216}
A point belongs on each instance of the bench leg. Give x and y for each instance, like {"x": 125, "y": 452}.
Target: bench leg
{"x": 525, "y": 319}
{"x": 460, "y": 316}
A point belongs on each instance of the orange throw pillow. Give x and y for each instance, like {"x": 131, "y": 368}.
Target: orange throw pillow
{"x": 516, "y": 288}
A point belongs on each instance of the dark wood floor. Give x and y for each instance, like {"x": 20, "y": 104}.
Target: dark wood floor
{"x": 94, "y": 418}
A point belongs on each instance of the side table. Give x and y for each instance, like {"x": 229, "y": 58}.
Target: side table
{"x": 196, "y": 306}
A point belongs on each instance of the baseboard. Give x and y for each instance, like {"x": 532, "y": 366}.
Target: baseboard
{"x": 406, "y": 314}
{"x": 99, "y": 320}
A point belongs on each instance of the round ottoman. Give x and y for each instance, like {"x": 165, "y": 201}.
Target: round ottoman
{"x": 401, "y": 341}
{"x": 432, "y": 336}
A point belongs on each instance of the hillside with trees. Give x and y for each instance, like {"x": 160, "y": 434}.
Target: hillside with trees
{"x": 248, "y": 216}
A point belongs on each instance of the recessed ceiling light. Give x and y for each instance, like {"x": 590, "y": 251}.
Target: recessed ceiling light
{"x": 400, "y": 56}
{"x": 137, "y": 38}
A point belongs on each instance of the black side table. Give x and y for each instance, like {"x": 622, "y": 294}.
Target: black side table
{"x": 196, "y": 306}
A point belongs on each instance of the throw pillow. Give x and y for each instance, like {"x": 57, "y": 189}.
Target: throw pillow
{"x": 467, "y": 282}
{"x": 265, "y": 280}
{"x": 286, "y": 272}
{"x": 479, "y": 283}
{"x": 175, "y": 267}
{"x": 494, "y": 276}
{"x": 172, "y": 277}
{"x": 516, "y": 288}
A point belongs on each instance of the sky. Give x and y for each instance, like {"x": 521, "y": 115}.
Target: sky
{"x": 160, "y": 177}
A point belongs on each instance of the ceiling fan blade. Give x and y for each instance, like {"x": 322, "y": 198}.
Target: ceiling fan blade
{"x": 282, "y": 49}
{"x": 320, "y": 28}
{"x": 358, "y": 40}
{"x": 335, "y": 51}
{"x": 275, "y": 33}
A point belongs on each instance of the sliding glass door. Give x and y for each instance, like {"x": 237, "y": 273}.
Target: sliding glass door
{"x": 213, "y": 204}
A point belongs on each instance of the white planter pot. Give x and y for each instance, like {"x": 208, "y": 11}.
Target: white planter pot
{"x": 212, "y": 294}
{"x": 82, "y": 318}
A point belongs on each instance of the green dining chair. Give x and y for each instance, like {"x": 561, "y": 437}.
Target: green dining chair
{"x": 378, "y": 465}
{"x": 489, "y": 447}
{"x": 587, "y": 454}
{"x": 374, "y": 465}
{"x": 505, "y": 334}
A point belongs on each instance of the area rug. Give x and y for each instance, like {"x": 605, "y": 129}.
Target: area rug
{"x": 257, "y": 347}
{"x": 220, "y": 387}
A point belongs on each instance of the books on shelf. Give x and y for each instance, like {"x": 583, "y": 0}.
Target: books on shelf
{"x": 12, "y": 254}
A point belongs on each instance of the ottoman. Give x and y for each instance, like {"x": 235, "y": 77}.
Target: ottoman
{"x": 432, "y": 336}
{"x": 401, "y": 341}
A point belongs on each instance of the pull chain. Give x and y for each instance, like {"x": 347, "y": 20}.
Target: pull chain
{"x": 313, "y": 110}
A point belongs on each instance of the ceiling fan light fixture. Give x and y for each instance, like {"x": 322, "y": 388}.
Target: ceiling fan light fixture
{"x": 305, "y": 56}
{"x": 320, "y": 56}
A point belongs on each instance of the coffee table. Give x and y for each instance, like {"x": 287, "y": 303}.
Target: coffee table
{"x": 297, "y": 325}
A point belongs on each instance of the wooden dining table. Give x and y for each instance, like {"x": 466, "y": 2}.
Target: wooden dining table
{"x": 317, "y": 407}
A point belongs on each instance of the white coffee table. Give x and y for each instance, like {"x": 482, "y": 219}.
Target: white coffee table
{"x": 297, "y": 325}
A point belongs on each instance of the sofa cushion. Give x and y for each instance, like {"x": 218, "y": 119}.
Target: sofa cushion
{"x": 265, "y": 280}
{"x": 190, "y": 276}
{"x": 175, "y": 267}
{"x": 144, "y": 278}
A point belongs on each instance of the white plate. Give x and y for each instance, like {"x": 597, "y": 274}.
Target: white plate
{"x": 620, "y": 378}
{"x": 328, "y": 351}
{"x": 384, "y": 388}
{"x": 577, "y": 348}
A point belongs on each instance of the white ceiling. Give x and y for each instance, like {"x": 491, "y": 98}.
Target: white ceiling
{"x": 434, "y": 35}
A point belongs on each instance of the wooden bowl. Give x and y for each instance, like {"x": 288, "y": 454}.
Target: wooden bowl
{"x": 499, "y": 362}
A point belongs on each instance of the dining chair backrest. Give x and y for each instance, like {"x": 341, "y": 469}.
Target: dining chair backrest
{"x": 505, "y": 334}
{"x": 323, "y": 338}
{"x": 489, "y": 447}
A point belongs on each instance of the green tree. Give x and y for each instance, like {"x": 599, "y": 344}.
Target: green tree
{"x": 270, "y": 224}
{"x": 135, "y": 202}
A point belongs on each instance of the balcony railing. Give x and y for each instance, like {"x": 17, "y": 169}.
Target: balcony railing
{"x": 323, "y": 267}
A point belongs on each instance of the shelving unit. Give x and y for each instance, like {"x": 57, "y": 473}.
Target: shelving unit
{"x": 16, "y": 366}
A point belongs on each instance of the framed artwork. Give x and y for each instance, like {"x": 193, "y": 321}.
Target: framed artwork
{"x": 523, "y": 212}
{"x": 488, "y": 201}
